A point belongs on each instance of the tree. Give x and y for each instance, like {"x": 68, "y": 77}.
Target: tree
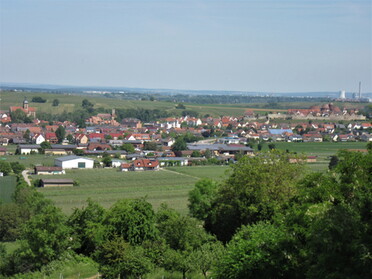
{"x": 201, "y": 197}
{"x": 17, "y": 167}
{"x": 5, "y": 168}
{"x": 134, "y": 220}
{"x": 127, "y": 147}
{"x": 55, "y": 103}
{"x": 44, "y": 145}
{"x": 369, "y": 146}
{"x": 10, "y": 222}
{"x": 38, "y": 99}
{"x": 18, "y": 116}
{"x": 181, "y": 261}
{"x": 70, "y": 138}
{"x": 196, "y": 153}
{"x": 60, "y": 133}
{"x": 207, "y": 256}
{"x": 256, "y": 251}
{"x": 259, "y": 146}
{"x": 86, "y": 104}
{"x": 271, "y": 146}
{"x": 179, "y": 144}
{"x": 118, "y": 259}
{"x": 333, "y": 162}
{"x": 180, "y": 106}
{"x": 107, "y": 161}
{"x": 256, "y": 188}
{"x": 87, "y": 226}
{"x": 26, "y": 135}
{"x": 46, "y": 236}
{"x": 148, "y": 145}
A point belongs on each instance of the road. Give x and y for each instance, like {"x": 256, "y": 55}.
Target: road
{"x": 25, "y": 176}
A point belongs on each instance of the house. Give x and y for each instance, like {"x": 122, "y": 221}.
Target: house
{"x": 366, "y": 137}
{"x": 81, "y": 138}
{"x": 131, "y": 123}
{"x": 140, "y": 165}
{"x": 173, "y": 161}
{"x": 229, "y": 140}
{"x": 39, "y": 170}
{"x": 74, "y": 162}
{"x": 38, "y": 138}
{"x": 51, "y": 137}
{"x": 28, "y": 148}
{"x": 56, "y": 182}
{"x": 55, "y": 151}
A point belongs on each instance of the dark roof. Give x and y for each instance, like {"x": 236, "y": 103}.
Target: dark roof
{"x": 57, "y": 181}
{"x": 31, "y": 146}
{"x": 227, "y": 147}
{"x": 42, "y": 168}
{"x": 62, "y": 146}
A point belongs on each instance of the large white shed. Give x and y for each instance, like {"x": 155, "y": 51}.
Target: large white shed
{"x": 74, "y": 162}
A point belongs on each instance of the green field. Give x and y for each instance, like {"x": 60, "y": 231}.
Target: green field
{"x": 70, "y": 102}
{"x": 31, "y": 160}
{"x": 108, "y": 185}
{"x": 7, "y": 188}
{"x": 323, "y": 150}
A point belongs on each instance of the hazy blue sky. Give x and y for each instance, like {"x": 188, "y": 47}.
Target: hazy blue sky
{"x": 267, "y": 45}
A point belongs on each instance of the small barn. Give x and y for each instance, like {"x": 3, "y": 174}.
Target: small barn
{"x": 56, "y": 182}
{"x": 74, "y": 162}
{"x": 48, "y": 170}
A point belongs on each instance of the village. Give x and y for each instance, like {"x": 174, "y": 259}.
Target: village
{"x": 131, "y": 145}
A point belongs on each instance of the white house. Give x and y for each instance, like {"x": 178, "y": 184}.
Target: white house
{"x": 39, "y": 139}
{"x": 74, "y": 162}
{"x": 28, "y": 148}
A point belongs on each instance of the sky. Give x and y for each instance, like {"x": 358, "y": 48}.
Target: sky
{"x": 259, "y": 46}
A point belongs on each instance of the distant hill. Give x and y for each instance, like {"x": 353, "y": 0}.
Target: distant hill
{"x": 107, "y": 89}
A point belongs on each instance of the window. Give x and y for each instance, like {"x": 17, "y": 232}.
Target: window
{"x": 81, "y": 165}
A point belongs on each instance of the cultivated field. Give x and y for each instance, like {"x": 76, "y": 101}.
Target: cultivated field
{"x": 70, "y": 102}
{"x": 108, "y": 185}
{"x": 7, "y": 187}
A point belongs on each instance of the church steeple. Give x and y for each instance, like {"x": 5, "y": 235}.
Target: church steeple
{"x": 25, "y": 104}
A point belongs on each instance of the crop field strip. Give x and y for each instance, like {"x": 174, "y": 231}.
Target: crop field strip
{"x": 108, "y": 185}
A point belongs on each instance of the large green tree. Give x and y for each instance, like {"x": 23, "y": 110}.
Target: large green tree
{"x": 134, "y": 220}
{"x": 45, "y": 236}
{"x": 87, "y": 226}
{"x": 256, "y": 188}
{"x": 118, "y": 259}
{"x": 256, "y": 251}
{"x": 201, "y": 197}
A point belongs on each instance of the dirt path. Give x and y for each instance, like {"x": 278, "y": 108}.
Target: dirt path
{"x": 180, "y": 173}
{"x": 25, "y": 176}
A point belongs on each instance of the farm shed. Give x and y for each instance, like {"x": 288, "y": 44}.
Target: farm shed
{"x": 74, "y": 162}
{"x": 48, "y": 170}
{"x": 57, "y": 182}
{"x": 28, "y": 148}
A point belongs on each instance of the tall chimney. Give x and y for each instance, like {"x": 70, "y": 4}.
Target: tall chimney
{"x": 360, "y": 89}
